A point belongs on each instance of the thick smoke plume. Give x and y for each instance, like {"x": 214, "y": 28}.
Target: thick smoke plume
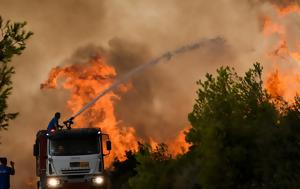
{"x": 128, "y": 33}
{"x": 284, "y": 3}
{"x": 164, "y": 57}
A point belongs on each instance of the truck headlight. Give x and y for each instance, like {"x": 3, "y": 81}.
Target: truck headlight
{"x": 53, "y": 182}
{"x": 98, "y": 180}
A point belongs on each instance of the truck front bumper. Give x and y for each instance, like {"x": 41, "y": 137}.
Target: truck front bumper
{"x": 77, "y": 181}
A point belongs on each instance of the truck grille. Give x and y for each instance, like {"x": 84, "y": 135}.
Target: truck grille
{"x": 75, "y": 171}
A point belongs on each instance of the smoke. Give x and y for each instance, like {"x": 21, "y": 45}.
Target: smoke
{"x": 164, "y": 57}
{"x": 284, "y": 3}
{"x": 128, "y": 34}
{"x": 154, "y": 97}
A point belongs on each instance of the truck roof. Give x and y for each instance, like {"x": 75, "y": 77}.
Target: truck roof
{"x": 65, "y": 133}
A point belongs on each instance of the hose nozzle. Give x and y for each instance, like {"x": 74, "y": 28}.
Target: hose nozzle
{"x": 68, "y": 123}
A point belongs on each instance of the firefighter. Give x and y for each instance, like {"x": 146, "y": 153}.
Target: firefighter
{"x": 5, "y": 173}
{"x": 53, "y": 124}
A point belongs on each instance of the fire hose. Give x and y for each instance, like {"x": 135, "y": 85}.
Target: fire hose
{"x": 164, "y": 57}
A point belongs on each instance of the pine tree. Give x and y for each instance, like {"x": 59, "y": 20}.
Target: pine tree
{"x": 12, "y": 42}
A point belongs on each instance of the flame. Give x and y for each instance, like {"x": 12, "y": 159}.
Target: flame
{"x": 274, "y": 84}
{"x": 85, "y": 81}
{"x": 176, "y": 146}
{"x": 293, "y": 8}
{"x": 283, "y": 84}
{"x": 179, "y": 144}
{"x": 284, "y": 80}
{"x": 270, "y": 27}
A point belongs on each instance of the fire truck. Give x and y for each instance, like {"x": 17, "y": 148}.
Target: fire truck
{"x": 71, "y": 158}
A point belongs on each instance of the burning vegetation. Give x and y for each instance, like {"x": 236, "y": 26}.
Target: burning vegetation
{"x": 285, "y": 55}
{"x": 243, "y": 143}
{"x": 236, "y": 126}
{"x": 85, "y": 81}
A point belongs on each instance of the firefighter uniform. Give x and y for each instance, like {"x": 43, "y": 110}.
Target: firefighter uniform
{"x": 53, "y": 124}
{"x": 5, "y": 173}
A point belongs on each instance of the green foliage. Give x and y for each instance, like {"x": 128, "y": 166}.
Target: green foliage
{"x": 241, "y": 138}
{"x": 156, "y": 168}
{"x": 153, "y": 168}
{"x": 123, "y": 170}
{"x": 12, "y": 42}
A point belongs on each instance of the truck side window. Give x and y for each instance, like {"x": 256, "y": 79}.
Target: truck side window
{"x": 36, "y": 149}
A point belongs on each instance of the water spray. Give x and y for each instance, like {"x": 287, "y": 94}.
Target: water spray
{"x": 164, "y": 57}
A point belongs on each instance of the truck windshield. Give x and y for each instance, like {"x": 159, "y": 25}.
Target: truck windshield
{"x": 74, "y": 146}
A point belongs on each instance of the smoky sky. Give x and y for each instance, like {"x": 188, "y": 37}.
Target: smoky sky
{"x": 128, "y": 33}
{"x": 150, "y": 104}
{"x": 283, "y": 3}
{"x": 155, "y": 103}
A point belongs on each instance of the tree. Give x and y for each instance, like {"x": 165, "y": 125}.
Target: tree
{"x": 153, "y": 168}
{"x": 123, "y": 170}
{"x": 242, "y": 137}
{"x": 12, "y": 42}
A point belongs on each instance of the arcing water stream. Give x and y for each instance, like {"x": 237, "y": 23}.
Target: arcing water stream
{"x": 164, "y": 57}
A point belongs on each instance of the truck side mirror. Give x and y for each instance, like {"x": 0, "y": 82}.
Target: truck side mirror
{"x": 35, "y": 150}
{"x": 108, "y": 145}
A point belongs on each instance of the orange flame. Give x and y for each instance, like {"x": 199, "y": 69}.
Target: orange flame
{"x": 283, "y": 84}
{"x": 274, "y": 84}
{"x": 293, "y": 8}
{"x": 270, "y": 27}
{"x": 85, "y": 81}
{"x": 284, "y": 81}
{"x": 179, "y": 145}
{"x": 176, "y": 146}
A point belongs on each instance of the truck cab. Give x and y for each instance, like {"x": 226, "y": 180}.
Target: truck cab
{"x": 71, "y": 158}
